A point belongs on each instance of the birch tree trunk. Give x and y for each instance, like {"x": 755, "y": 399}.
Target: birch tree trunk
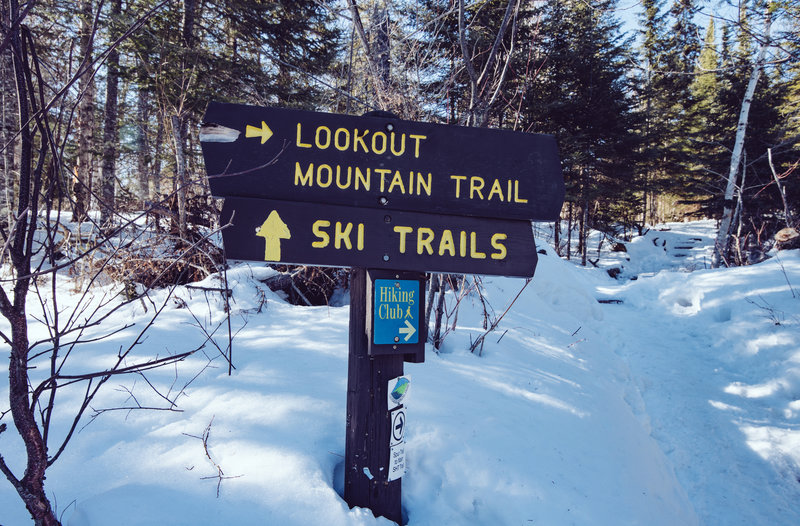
{"x": 583, "y": 242}
{"x": 722, "y": 244}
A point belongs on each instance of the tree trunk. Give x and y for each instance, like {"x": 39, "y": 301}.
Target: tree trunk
{"x": 437, "y": 318}
{"x": 178, "y": 121}
{"x": 142, "y": 151}
{"x": 187, "y": 26}
{"x": 379, "y": 31}
{"x": 82, "y": 182}
{"x": 569, "y": 232}
{"x": 181, "y": 187}
{"x": 110, "y": 124}
{"x": 787, "y": 213}
{"x": 485, "y": 86}
{"x": 738, "y": 218}
{"x": 377, "y": 50}
{"x": 8, "y": 125}
{"x": 557, "y": 235}
{"x": 435, "y": 283}
{"x": 156, "y": 173}
{"x": 584, "y": 233}
{"x": 722, "y": 244}
{"x": 31, "y": 486}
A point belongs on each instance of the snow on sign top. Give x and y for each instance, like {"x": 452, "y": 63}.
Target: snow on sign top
{"x": 380, "y": 162}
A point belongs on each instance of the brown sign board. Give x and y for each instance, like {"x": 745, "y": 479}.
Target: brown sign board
{"x": 380, "y": 163}
{"x": 330, "y": 235}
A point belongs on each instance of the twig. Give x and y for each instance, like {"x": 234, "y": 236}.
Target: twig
{"x": 496, "y": 322}
{"x": 220, "y": 476}
{"x": 786, "y": 276}
{"x": 255, "y": 168}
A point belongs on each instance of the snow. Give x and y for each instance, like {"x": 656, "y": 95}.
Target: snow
{"x": 676, "y": 403}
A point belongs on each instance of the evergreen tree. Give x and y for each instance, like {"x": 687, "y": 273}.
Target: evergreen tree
{"x": 653, "y": 101}
{"x": 679, "y": 60}
{"x": 709, "y": 126}
{"x": 683, "y": 48}
{"x": 290, "y": 42}
{"x": 790, "y": 105}
{"x": 706, "y": 85}
{"x": 482, "y": 21}
{"x": 580, "y": 96}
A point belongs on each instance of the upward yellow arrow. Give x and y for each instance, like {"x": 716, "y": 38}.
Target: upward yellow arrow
{"x": 273, "y": 230}
{"x": 264, "y": 132}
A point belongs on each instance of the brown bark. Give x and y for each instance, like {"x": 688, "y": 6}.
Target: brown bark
{"x": 438, "y": 337}
{"x": 142, "y": 151}
{"x": 30, "y": 486}
{"x": 110, "y": 131}
{"x": 181, "y": 187}
{"x": 82, "y": 182}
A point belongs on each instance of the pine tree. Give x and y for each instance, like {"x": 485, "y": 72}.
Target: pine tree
{"x": 709, "y": 126}
{"x": 680, "y": 57}
{"x": 580, "y": 96}
{"x": 790, "y": 105}
{"x": 654, "y": 100}
{"x": 495, "y": 33}
{"x": 683, "y": 48}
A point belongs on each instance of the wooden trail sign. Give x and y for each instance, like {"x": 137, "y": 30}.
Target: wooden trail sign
{"x": 397, "y": 197}
{"x": 315, "y": 234}
{"x": 380, "y": 163}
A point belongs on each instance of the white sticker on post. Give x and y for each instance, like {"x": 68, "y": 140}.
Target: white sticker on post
{"x": 397, "y": 461}
{"x": 397, "y": 391}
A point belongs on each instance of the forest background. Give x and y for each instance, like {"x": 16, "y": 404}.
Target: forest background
{"x": 646, "y": 118}
{"x": 689, "y": 110}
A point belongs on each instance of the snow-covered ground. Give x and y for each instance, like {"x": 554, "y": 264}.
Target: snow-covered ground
{"x": 675, "y": 401}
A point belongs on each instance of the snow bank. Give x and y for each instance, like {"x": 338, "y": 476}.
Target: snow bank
{"x": 676, "y": 406}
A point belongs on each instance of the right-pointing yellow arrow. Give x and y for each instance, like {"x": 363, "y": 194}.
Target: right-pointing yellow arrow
{"x": 264, "y": 132}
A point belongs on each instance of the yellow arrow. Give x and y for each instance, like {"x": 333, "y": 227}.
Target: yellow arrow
{"x": 264, "y": 132}
{"x": 273, "y": 230}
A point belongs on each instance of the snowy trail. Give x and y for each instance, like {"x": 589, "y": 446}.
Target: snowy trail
{"x": 679, "y": 383}
{"x": 678, "y": 405}
{"x": 674, "y": 337}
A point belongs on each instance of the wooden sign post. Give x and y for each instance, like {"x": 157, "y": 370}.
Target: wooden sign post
{"x": 366, "y": 480}
{"x": 392, "y": 199}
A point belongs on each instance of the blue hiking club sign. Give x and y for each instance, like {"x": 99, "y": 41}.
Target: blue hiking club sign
{"x": 396, "y": 311}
